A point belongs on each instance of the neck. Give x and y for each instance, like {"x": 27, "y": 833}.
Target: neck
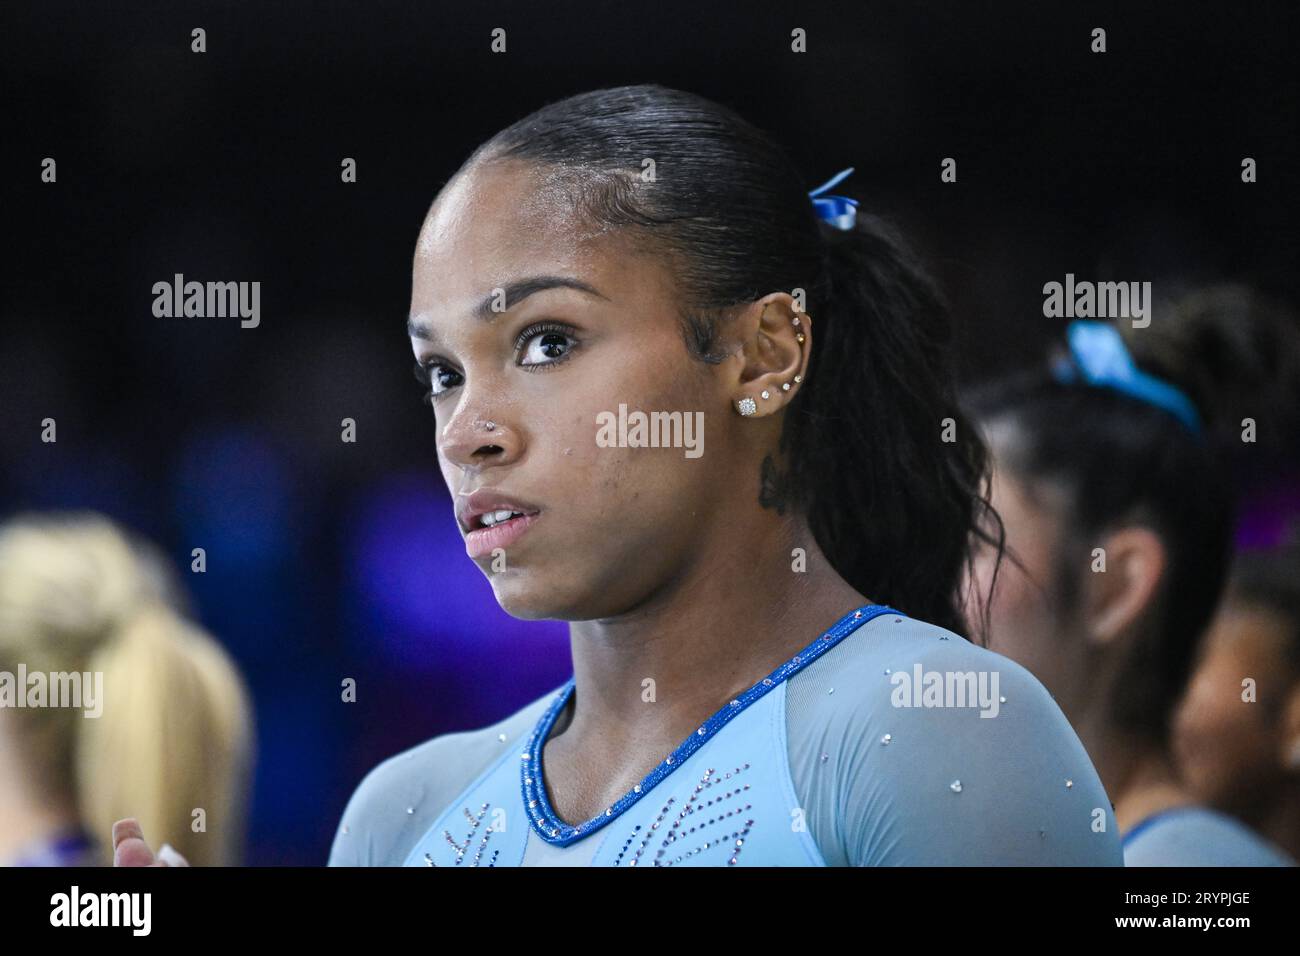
{"x": 1140, "y": 778}
{"x": 724, "y": 624}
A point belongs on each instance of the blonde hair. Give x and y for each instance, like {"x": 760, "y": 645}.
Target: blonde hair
{"x": 175, "y": 733}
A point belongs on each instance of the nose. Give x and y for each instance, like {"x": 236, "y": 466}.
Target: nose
{"x": 477, "y": 437}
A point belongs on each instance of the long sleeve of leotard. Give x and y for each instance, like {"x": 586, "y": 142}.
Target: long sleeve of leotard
{"x": 896, "y": 767}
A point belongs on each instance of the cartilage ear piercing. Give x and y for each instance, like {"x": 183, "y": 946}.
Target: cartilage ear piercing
{"x": 766, "y": 394}
{"x": 746, "y": 406}
{"x": 798, "y": 379}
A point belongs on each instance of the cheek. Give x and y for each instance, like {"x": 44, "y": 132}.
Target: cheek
{"x": 1221, "y": 740}
{"x": 1021, "y": 621}
{"x": 1213, "y": 706}
{"x": 1017, "y": 620}
{"x": 449, "y": 472}
{"x": 587, "y": 461}
{"x": 603, "y": 433}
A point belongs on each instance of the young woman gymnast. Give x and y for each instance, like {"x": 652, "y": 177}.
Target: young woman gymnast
{"x": 766, "y": 669}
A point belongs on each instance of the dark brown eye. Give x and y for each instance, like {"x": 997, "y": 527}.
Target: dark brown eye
{"x": 439, "y": 377}
{"x": 444, "y": 378}
{"x": 545, "y": 347}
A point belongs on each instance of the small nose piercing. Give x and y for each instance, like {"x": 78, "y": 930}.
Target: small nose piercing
{"x": 489, "y": 426}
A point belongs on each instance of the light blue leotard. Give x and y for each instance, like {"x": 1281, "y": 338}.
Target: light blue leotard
{"x": 1198, "y": 836}
{"x": 829, "y": 760}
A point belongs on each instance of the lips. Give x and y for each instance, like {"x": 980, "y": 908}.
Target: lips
{"x": 491, "y": 519}
{"x": 487, "y": 501}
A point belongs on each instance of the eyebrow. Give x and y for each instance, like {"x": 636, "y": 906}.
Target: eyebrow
{"x": 514, "y": 293}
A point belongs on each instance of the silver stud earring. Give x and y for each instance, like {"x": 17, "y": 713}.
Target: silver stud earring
{"x": 766, "y": 394}
{"x": 746, "y": 406}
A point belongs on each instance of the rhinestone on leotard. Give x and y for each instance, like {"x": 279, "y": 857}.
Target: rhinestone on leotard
{"x": 955, "y": 786}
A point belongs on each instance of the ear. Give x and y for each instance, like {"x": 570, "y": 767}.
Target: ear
{"x": 773, "y": 343}
{"x": 1115, "y": 599}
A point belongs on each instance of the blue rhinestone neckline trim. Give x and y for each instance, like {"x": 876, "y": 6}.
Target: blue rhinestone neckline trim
{"x": 555, "y": 831}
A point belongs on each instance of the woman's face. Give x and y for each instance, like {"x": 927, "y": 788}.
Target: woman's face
{"x": 1232, "y": 751}
{"x": 1024, "y": 622}
{"x": 604, "y": 526}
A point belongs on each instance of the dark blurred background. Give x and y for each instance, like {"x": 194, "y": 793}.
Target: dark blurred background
{"x": 329, "y": 560}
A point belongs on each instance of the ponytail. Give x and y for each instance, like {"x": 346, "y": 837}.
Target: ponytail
{"x": 888, "y": 469}
{"x": 172, "y": 747}
{"x": 172, "y": 734}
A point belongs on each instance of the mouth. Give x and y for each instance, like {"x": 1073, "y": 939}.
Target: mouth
{"x": 491, "y": 521}
{"x": 501, "y": 534}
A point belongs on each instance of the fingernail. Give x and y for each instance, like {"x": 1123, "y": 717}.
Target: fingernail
{"x": 123, "y": 829}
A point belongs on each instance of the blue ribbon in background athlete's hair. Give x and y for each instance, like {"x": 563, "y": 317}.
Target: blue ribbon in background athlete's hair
{"x": 1101, "y": 359}
{"x": 840, "y": 211}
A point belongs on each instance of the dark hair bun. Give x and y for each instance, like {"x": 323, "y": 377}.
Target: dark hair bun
{"x": 1237, "y": 355}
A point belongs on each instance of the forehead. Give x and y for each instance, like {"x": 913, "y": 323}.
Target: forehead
{"x": 496, "y": 223}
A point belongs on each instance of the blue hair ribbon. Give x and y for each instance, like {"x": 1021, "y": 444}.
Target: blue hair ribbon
{"x": 1102, "y": 359}
{"x": 840, "y": 211}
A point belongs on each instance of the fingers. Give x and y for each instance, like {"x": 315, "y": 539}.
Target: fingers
{"x": 129, "y": 848}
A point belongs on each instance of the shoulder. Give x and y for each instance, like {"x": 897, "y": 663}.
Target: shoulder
{"x": 398, "y": 800}
{"x": 898, "y": 666}
{"x": 927, "y": 749}
{"x": 1199, "y": 836}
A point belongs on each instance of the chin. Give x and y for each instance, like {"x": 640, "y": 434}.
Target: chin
{"x": 531, "y": 597}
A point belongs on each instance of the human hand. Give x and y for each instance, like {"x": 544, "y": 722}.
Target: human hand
{"x": 129, "y": 848}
